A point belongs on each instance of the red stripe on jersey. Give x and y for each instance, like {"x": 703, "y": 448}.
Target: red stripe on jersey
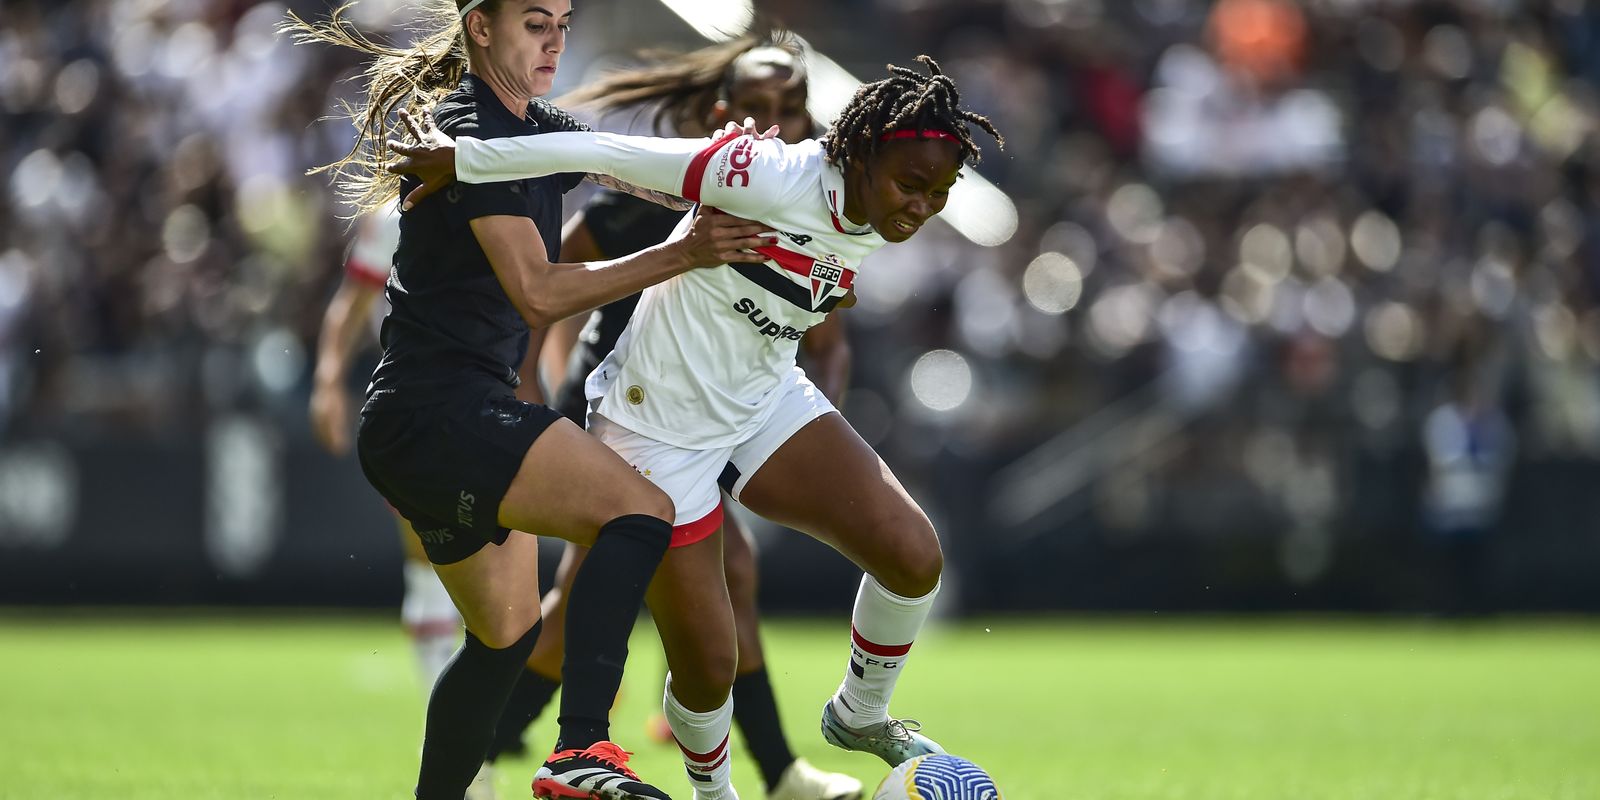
{"x": 691, "y": 532}
{"x": 800, "y": 263}
{"x": 703, "y": 758}
{"x": 833, "y": 200}
{"x": 697, "y": 166}
{"x": 884, "y": 650}
{"x": 363, "y": 272}
{"x": 833, "y": 203}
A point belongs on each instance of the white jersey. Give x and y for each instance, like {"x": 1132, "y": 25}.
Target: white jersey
{"x": 702, "y": 358}
{"x": 371, "y": 254}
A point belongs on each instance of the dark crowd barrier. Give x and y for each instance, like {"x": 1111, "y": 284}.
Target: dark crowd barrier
{"x": 243, "y": 515}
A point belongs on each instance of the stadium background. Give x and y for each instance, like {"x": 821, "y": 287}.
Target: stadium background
{"x": 1300, "y": 317}
{"x": 1300, "y": 314}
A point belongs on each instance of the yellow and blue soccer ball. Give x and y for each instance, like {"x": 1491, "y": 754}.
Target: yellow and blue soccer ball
{"x": 937, "y": 777}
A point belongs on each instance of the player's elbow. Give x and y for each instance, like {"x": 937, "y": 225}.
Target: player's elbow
{"x": 539, "y": 312}
{"x": 540, "y": 308}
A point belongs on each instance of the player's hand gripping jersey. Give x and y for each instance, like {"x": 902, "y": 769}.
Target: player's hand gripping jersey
{"x": 707, "y": 352}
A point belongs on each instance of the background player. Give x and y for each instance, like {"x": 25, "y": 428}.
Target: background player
{"x": 704, "y": 375}
{"x": 426, "y": 611}
{"x": 693, "y": 94}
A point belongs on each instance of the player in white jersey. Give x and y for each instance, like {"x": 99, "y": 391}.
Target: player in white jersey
{"x": 349, "y": 323}
{"x": 705, "y": 376}
{"x": 758, "y": 76}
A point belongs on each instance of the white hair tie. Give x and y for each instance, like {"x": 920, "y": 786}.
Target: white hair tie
{"x": 468, "y": 7}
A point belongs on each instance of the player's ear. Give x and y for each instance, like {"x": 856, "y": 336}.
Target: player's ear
{"x": 858, "y": 168}
{"x": 478, "y": 28}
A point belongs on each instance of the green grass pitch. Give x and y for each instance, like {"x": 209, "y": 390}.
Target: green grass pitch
{"x": 310, "y": 708}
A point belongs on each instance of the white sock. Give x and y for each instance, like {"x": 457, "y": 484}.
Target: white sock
{"x": 703, "y": 738}
{"x": 431, "y": 620}
{"x": 882, "y": 628}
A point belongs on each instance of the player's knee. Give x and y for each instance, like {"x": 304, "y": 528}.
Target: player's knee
{"x": 706, "y": 686}
{"x": 739, "y": 565}
{"x": 510, "y": 629}
{"x": 918, "y": 562}
{"x": 649, "y": 500}
{"x": 925, "y": 568}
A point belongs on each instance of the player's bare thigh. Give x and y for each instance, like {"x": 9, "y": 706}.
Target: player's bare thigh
{"x": 739, "y": 563}
{"x": 570, "y": 484}
{"x": 496, "y": 589}
{"x": 827, "y": 482}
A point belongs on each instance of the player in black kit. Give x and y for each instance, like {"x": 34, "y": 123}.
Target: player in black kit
{"x": 443, "y": 437}
{"x": 763, "y": 78}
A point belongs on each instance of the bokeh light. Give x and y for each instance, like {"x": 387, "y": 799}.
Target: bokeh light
{"x": 941, "y": 380}
{"x": 1052, "y": 283}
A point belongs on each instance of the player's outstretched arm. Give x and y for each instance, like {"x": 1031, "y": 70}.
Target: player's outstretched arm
{"x": 668, "y": 199}
{"x": 342, "y": 325}
{"x": 677, "y": 167}
{"x": 546, "y": 292}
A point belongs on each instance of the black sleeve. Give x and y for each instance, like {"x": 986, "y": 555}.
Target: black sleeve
{"x": 551, "y": 118}
{"x": 623, "y": 224}
{"x": 465, "y": 202}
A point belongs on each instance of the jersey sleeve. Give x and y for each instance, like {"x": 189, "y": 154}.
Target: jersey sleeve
{"x": 372, "y": 252}
{"x": 469, "y": 201}
{"x": 735, "y": 173}
{"x": 553, "y": 118}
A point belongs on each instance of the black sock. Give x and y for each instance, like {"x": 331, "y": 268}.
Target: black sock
{"x": 528, "y": 699}
{"x": 755, "y": 711}
{"x": 606, "y": 595}
{"x": 462, "y": 711}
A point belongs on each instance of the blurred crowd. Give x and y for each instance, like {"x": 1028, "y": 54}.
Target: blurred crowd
{"x": 162, "y": 254}
{"x": 1305, "y": 270}
{"x": 1261, "y": 243}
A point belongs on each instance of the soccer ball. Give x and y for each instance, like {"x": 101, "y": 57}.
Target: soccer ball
{"x": 937, "y": 777}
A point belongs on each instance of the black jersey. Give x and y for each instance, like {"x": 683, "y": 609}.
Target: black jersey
{"x": 451, "y": 326}
{"x": 622, "y": 225}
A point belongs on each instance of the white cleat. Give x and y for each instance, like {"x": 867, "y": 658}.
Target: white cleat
{"x": 801, "y": 781}
{"x": 896, "y": 741}
{"x": 482, "y": 786}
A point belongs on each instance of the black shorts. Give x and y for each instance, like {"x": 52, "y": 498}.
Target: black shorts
{"x": 572, "y": 404}
{"x": 446, "y": 467}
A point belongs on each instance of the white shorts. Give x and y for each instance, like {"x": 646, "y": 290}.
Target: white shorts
{"x": 690, "y": 477}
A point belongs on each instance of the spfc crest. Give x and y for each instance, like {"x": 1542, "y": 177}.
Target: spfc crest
{"x": 824, "y": 279}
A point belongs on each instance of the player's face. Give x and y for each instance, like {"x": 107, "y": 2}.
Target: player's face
{"x": 905, "y": 183}
{"x": 523, "y": 42}
{"x": 771, "y": 101}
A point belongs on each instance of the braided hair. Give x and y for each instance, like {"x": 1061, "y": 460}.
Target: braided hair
{"x": 906, "y": 100}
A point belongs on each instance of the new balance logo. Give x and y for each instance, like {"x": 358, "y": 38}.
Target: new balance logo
{"x": 798, "y": 238}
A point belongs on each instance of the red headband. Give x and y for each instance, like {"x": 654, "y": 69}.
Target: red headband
{"x": 925, "y": 133}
